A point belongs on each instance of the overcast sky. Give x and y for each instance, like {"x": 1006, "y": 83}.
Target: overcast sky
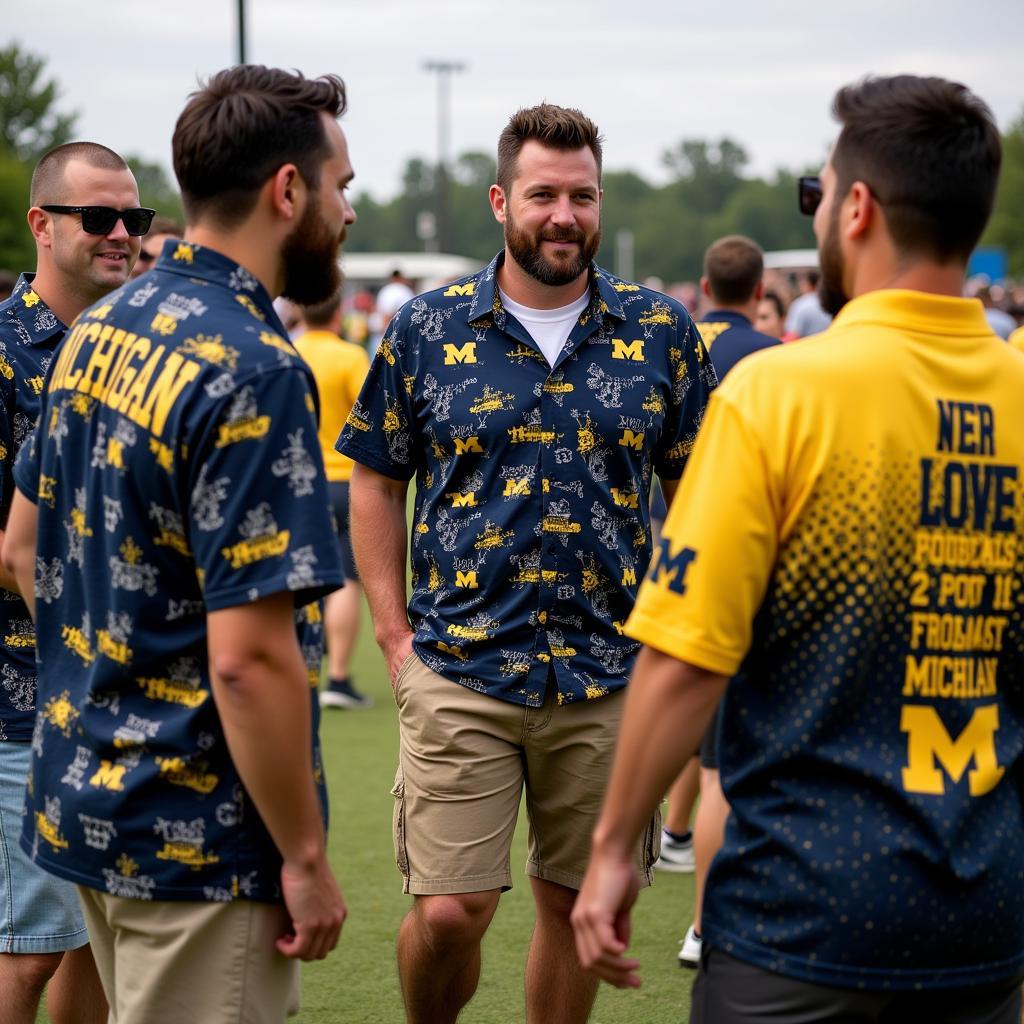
{"x": 648, "y": 72}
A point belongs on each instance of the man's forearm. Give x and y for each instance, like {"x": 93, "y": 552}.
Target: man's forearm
{"x": 379, "y": 532}
{"x": 669, "y": 705}
{"x": 262, "y": 696}
{"x": 8, "y": 581}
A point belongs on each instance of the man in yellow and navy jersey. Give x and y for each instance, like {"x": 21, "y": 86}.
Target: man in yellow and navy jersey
{"x": 340, "y": 369}
{"x": 858, "y": 566}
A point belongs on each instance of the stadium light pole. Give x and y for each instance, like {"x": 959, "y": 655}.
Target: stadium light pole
{"x": 444, "y": 69}
{"x": 241, "y": 32}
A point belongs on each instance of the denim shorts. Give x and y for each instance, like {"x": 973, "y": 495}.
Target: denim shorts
{"x": 39, "y": 913}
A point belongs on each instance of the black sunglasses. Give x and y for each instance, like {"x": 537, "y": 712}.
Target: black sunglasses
{"x": 809, "y": 192}
{"x": 100, "y": 220}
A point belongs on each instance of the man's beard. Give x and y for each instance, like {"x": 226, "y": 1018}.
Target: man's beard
{"x": 526, "y": 251}
{"x": 310, "y": 255}
{"x": 830, "y": 257}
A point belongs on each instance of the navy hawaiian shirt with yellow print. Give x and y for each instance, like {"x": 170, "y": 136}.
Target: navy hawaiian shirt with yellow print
{"x": 532, "y": 522}
{"x": 176, "y": 472}
{"x": 29, "y": 332}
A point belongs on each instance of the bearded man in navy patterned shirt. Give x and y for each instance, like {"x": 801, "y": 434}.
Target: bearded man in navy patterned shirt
{"x": 533, "y": 402}
{"x": 173, "y": 510}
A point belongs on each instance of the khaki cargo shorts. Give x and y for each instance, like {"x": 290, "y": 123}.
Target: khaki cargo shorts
{"x": 464, "y": 759}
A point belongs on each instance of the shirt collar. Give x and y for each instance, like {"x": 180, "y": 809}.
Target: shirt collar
{"x": 604, "y": 299}
{"x": 197, "y": 262}
{"x": 919, "y": 311}
{"x": 737, "y": 319}
{"x": 40, "y": 322}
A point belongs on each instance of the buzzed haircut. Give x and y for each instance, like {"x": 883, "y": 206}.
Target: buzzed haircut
{"x": 48, "y": 177}
{"x": 563, "y": 128}
{"x": 929, "y": 151}
{"x": 240, "y": 127}
{"x": 733, "y": 266}
{"x": 321, "y": 314}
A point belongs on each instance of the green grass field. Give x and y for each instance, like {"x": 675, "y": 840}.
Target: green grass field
{"x": 358, "y": 983}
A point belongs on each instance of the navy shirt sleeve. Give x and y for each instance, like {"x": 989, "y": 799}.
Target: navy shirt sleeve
{"x": 26, "y": 467}
{"x": 693, "y": 381}
{"x": 259, "y": 520}
{"x": 379, "y": 430}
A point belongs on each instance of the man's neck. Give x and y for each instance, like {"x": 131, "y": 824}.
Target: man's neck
{"x": 261, "y": 258}
{"x": 748, "y": 311}
{"x": 916, "y": 275}
{"x": 520, "y": 287}
{"x": 64, "y": 301}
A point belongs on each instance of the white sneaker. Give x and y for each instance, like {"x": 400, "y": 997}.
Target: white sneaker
{"x": 675, "y": 856}
{"x": 689, "y": 954}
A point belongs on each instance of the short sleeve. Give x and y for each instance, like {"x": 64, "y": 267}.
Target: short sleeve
{"x": 379, "y": 430}
{"x": 258, "y": 511}
{"x": 717, "y": 552}
{"x": 693, "y": 381}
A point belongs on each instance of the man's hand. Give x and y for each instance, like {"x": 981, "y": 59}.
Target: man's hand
{"x": 396, "y": 651}
{"x": 600, "y": 919}
{"x": 317, "y": 910}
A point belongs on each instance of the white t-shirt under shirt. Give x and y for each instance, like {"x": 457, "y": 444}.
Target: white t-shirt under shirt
{"x": 549, "y": 328}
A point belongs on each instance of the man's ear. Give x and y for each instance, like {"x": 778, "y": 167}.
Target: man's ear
{"x": 286, "y": 192}
{"x": 705, "y": 287}
{"x": 858, "y": 210}
{"x": 41, "y": 226}
{"x": 499, "y": 203}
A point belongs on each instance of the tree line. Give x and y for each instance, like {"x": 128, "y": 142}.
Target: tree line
{"x": 708, "y": 194}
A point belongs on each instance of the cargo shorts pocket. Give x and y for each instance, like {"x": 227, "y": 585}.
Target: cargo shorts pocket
{"x": 402, "y": 671}
{"x": 398, "y": 823}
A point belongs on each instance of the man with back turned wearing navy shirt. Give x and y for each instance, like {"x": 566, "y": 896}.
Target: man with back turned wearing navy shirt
{"x": 733, "y": 267}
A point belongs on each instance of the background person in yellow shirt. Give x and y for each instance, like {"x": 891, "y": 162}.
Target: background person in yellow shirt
{"x": 339, "y": 368}
{"x": 847, "y": 543}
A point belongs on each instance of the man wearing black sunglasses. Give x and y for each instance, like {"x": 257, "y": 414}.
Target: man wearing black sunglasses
{"x": 81, "y": 256}
{"x": 865, "y": 583}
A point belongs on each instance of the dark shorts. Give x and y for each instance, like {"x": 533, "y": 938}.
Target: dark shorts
{"x": 338, "y": 493}
{"x": 709, "y": 743}
{"x": 729, "y": 991}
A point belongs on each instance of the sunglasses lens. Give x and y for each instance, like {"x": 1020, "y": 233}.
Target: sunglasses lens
{"x": 810, "y": 195}
{"x": 98, "y": 220}
{"x": 136, "y": 222}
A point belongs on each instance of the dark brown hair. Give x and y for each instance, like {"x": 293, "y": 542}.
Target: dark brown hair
{"x": 563, "y": 128}
{"x": 245, "y": 123}
{"x": 776, "y": 300}
{"x": 320, "y": 314}
{"x": 48, "y": 177}
{"x": 929, "y": 151}
{"x": 733, "y": 266}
